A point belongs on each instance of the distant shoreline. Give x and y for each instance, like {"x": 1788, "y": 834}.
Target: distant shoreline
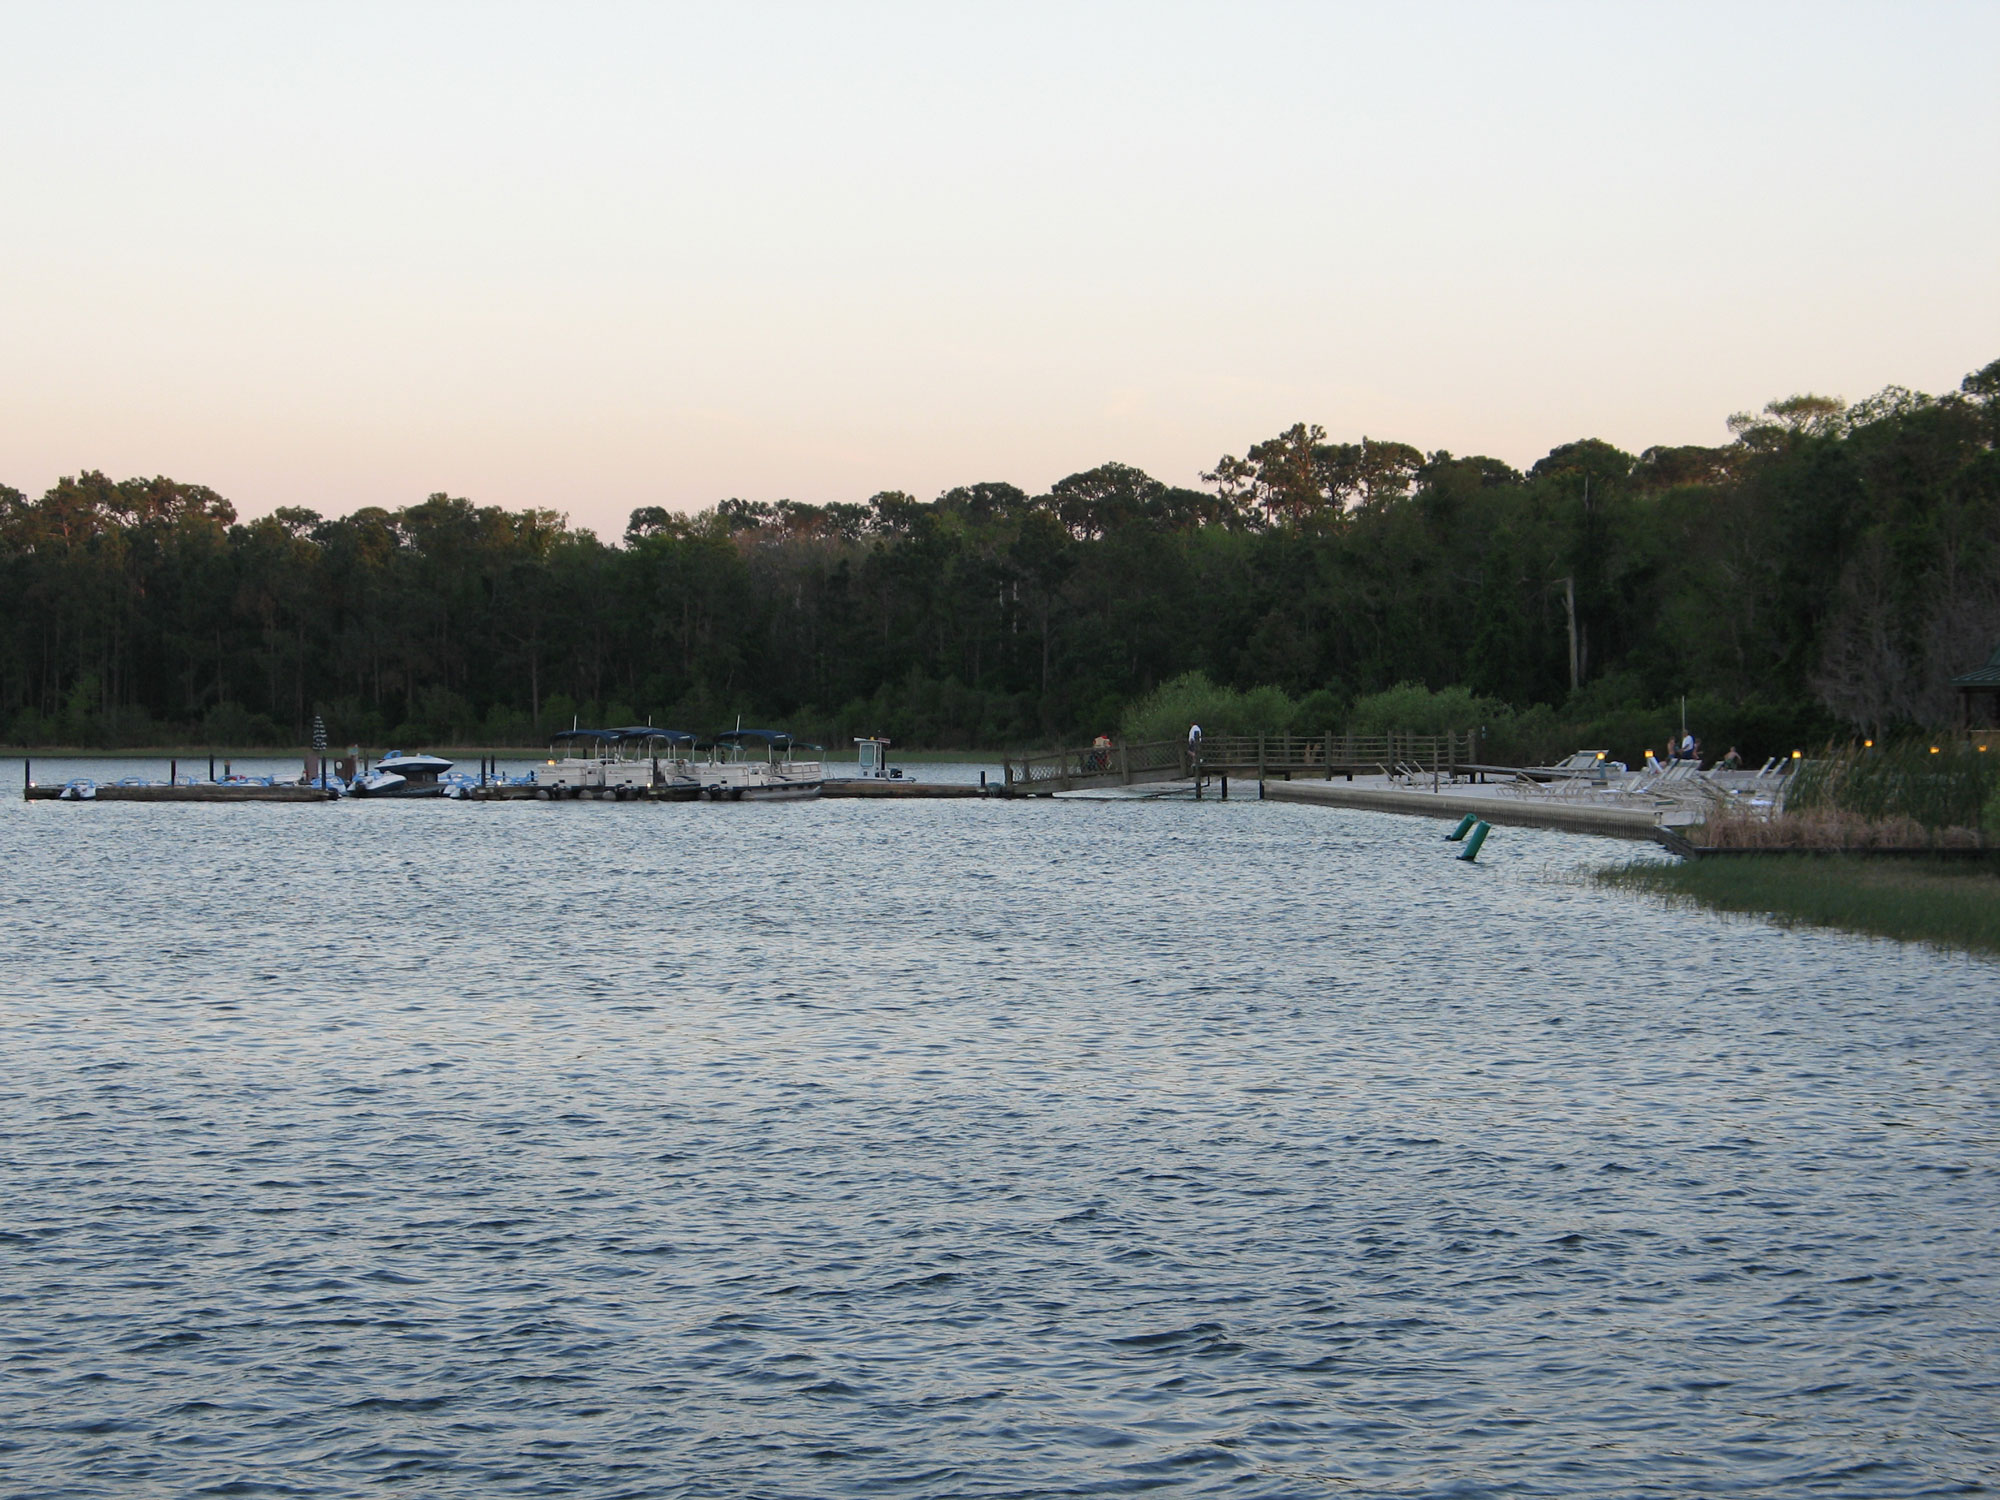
{"x": 518, "y": 752}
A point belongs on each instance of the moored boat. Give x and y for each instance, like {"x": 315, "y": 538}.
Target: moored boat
{"x": 577, "y": 762}
{"x": 873, "y": 754}
{"x": 757, "y": 765}
{"x": 402, "y": 774}
{"x": 657, "y": 762}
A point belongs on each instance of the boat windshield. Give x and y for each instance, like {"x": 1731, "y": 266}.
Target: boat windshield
{"x": 754, "y": 744}
{"x": 644, "y": 743}
{"x": 582, "y": 744}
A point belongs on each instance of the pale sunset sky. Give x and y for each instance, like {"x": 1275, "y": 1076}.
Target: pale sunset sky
{"x": 593, "y": 257}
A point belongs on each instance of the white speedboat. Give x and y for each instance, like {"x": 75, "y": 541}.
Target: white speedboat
{"x": 757, "y": 765}
{"x": 402, "y": 774}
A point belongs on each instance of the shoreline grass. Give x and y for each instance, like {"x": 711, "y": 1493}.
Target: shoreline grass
{"x": 1948, "y": 905}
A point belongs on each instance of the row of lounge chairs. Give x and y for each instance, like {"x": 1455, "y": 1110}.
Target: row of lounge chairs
{"x": 1589, "y": 776}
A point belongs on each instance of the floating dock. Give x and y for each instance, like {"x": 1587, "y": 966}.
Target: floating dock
{"x": 856, "y": 788}
{"x": 861, "y": 788}
{"x": 1520, "y": 812}
{"x": 205, "y": 791}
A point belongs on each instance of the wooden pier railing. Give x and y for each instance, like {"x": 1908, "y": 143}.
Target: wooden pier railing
{"x": 1260, "y": 756}
{"x": 1115, "y": 765}
{"x": 1332, "y": 754}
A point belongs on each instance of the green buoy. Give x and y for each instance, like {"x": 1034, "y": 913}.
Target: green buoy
{"x": 1464, "y": 827}
{"x": 1479, "y": 832}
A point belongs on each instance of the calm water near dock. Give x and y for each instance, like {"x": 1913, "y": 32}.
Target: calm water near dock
{"x": 965, "y": 1149}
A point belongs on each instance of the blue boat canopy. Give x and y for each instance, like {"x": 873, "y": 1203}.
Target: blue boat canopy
{"x": 648, "y": 732}
{"x": 583, "y": 734}
{"x": 753, "y": 736}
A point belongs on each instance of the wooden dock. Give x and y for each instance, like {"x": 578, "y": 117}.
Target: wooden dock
{"x": 1259, "y": 757}
{"x": 889, "y": 788}
{"x": 1607, "y": 822}
{"x": 205, "y": 791}
{"x": 857, "y": 787}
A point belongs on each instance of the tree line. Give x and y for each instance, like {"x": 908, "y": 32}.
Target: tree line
{"x": 1831, "y": 567}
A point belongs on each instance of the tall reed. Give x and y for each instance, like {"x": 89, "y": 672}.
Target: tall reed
{"x": 1937, "y": 784}
{"x": 1950, "y": 906}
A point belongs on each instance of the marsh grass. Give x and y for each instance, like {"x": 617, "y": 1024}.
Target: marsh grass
{"x": 1938, "y": 783}
{"x": 1943, "y": 904}
{"x": 1823, "y": 828}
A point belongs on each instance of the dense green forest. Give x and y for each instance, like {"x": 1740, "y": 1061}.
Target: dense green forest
{"x": 1827, "y": 570}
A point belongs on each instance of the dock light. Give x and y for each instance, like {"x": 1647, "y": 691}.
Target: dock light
{"x": 1934, "y": 749}
{"x": 1797, "y": 754}
{"x": 1868, "y": 744}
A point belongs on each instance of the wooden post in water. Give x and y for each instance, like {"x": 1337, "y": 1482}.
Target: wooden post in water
{"x": 1125, "y": 763}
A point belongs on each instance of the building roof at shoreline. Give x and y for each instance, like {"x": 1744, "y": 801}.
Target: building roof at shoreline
{"x": 1986, "y": 676}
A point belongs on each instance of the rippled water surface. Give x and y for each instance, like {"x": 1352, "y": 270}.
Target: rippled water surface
{"x": 960, "y": 1148}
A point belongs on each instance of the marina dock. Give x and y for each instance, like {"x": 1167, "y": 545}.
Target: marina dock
{"x": 1247, "y": 757}
{"x": 1433, "y": 776}
{"x": 205, "y": 791}
{"x": 907, "y": 788}
{"x": 1485, "y": 802}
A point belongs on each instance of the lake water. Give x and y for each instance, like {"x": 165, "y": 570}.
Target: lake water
{"x": 965, "y": 1149}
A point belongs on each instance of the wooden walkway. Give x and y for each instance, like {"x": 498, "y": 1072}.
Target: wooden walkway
{"x": 1262, "y": 757}
{"x": 220, "y": 791}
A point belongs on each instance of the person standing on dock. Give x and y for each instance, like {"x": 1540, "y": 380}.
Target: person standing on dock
{"x": 1194, "y": 744}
